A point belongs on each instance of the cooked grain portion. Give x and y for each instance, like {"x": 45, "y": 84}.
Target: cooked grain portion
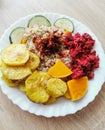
{"x": 47, "y": 43}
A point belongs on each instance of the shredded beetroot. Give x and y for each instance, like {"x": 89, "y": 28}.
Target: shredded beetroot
{"x": 84, "y": 58}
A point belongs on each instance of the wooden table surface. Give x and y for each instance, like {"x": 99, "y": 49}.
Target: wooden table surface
{"x": 89, "y": 12}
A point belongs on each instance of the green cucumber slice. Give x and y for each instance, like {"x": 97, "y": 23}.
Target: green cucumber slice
{"x": 39, "y": 20}
{"x": 65, "y": 24}
{"x": 16, "y": 35}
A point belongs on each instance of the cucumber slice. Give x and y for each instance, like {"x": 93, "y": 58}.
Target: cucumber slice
{"x": 16, "y": 35}
{"x": 39, "y": 20}
{"x": 65, "y": 24}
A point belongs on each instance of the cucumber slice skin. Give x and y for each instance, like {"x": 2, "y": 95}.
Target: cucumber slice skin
{"x": 41, "y": 17}
{"x": 65, "y": 19}
{"x": 13, "y": 31}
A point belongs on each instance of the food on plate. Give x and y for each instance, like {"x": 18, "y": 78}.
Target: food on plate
{"x": 56, "y": 87}
{"x": 50, "y": 100}
{"x": 38, "y": 95}
{"x": 64, "y": 23}
{"x": 36, "y": 79}
{"x": 67, "y": 94}
{"x": 16, "y": 35}
{"x": 84, "y": 57}
{"x": 8, "y": 81}
{"x": 22, "y": 87}
{"x": 78, "y": 88}
{"x": 36, "y": 87}
{"x": 48, "y": 61}
{"x": 15, "y": 55}
{"x": 50, "y": 88}
{"x": 47, "y": 43}
{"x": 38, "y": 21}
{"x": 15, "y": 72}
{"x": 33, "y": 61}
{"x": 59, "y": 70}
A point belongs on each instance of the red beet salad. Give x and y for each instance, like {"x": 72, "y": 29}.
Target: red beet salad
{"x": 84, "y": 57}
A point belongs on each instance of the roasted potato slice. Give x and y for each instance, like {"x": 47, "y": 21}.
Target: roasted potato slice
{"x": 56, "y": 87}
{"x": 16, "y": 72}
{"x": 38, "y": 95}
{"x": 33, "y": 61}
{"x": 22, "y": 87}
{"x": 35, "y": 87}
{"x": 15, "y": 55}
{"x": 50, "y": 100}
{"x": 30, "y": 81}
{"x": 8, "y": 81}
{"x": 37, "y": 78}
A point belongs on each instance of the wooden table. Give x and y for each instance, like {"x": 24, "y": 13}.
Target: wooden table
{"x": 89, "y": 12}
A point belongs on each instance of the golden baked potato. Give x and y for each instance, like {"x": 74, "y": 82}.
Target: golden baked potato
{"x": 38, "y": 94}
{"x": 35, "y": 87}
{"x": 50, "y": 100}
{"x": 39, "y": 78}
{"x": 56, "y": 87}
{"x": 22, "y": 87}
{"x": 15, "y": 54}
{"x": 9, "y": 82}
{"x": 33, "y": 61}
{"x": 15, "y": 72}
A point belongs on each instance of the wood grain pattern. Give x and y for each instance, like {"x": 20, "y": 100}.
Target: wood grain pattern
{"x": 89, "y": 12}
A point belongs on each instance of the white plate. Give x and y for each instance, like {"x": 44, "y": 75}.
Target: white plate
{"x": 63, "y": 106}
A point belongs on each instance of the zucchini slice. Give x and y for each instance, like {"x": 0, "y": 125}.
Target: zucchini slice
{"x": 39, "y": 20}
{"x": 16, "y": 35}
{"x": 65, "y": 24}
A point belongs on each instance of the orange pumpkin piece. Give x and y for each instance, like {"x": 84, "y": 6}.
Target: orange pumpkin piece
{"x": 78, "y": 88}
{"x": 59, "y": 70}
